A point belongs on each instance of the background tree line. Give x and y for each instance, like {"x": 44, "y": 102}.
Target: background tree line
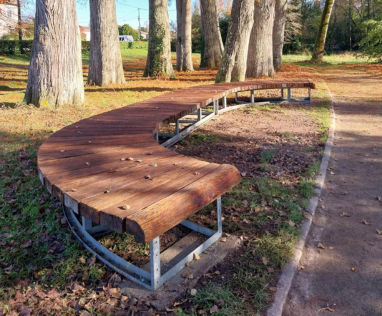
{"x": 243, "y": 39}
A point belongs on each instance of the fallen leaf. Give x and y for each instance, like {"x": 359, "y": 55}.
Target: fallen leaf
{"x": 82, "y": 259}
{"x": 62, "y": 150}
{"x": 196, "y": 173}
{"x": 223, "y": 239}
{"x": 273, "y": 289}
{"x": 92, "y": 260}
{"x": 106, "y": 191}
{"x": 139, "y": 160}
{"x": 196, "y": 256}
{"x": 265, "y": 260}
{"x": 214, "y": 309}
{"x": 353, "y": 269}
{"x": 123, "y": 159}
{"x": 322, "y": 246}
{"x": 344, "y": 214}
{"x": 379, "y": 232}
{"x": 148, "y": 177}
{"x": 131, "y": 159}
{"x": 291, "y": 223}
{"x": 153, "y": 165}
{"x": 26, "y": 244}
{"x": 125, "y": 207}
{"x": 175, "y": 164}
{"x": 243, "y": 174}
{"x": 366, "y": 222}
{"x": 271, "y": 270}
{"x": 87, "y": 163}
{"x": 193, "y": 292}
{"x": 85, "y": 313}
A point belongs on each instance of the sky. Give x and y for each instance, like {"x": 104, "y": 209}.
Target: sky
{"x": 127, "y": 12}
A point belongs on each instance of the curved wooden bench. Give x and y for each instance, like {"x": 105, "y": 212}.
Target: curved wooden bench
{"x": 110, "y": 170}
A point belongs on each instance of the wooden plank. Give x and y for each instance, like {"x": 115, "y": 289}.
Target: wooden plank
{"x": 90, "y": 207}
{"x": 114, "y": 216}
{"x": 159, "y": 217}
{"x": 91, "y": 186}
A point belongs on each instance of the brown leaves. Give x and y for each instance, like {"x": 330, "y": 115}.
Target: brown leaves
{"x": 322, "y": 246}
{"x": 344, "y": 214}
{"x": 379, "y": 232}
{"x": 366, "y": 222}
{"x": 214, "y": 309}
{"x": 26, "y": 244}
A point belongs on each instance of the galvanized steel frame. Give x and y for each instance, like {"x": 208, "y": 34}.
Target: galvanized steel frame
{"x": 179, "y": 135}
{"x": 85, "y": 233}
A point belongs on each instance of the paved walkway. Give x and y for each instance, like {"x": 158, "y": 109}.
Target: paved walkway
{"x": 345, "y": 278}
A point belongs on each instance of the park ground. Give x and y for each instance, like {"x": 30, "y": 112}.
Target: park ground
{"x": 277, "y": 148}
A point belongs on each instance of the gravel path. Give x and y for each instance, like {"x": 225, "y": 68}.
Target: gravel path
{"x": 340, "y": 271}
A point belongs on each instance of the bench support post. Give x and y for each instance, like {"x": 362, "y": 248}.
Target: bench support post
{"x": 199, "y": 114}
{"x": 155, "y": 263}
{"x": 82, "y": 229}
{"x": 252, "y": 96}
{"x": 289, "y": 95}
{"x": 224, "y": 102}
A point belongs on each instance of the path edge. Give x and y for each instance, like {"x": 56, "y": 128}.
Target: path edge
{"x": 288, "y": 272}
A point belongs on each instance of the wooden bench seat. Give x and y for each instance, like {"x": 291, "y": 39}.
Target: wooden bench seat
{"x": 110, "y": 169}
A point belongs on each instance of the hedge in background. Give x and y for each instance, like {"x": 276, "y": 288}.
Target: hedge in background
{"x": 134, "y": 45}
{"x": 11, "y": 47}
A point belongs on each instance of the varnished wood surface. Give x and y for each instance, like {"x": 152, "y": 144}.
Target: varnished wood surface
{"x": 108, "y": 168}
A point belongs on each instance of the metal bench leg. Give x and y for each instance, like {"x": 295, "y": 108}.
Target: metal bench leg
{"x": 199, "y": 114}
{"x": 224, "y": 102}
{"x": 252, "y": 96}
{"x": 310, "y": 95}
{"x": 289, "y": 95}
{"x": 216, "y": 107}
{"x": 177, "y": 127}
{"x": 155, "y": 263}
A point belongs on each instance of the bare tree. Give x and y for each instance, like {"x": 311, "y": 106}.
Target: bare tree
{"x": 159, "y": 54}
{"x": 213, "y": 44}
{"x": 281, "y": 9}
{"x": 234, "y": 62}
{"x": 260, "y": 52}
{"x": 55, "y": 70}
{"x": 183, "y": 41}
{"x": 319, "y": 47}
{"x": 105, "y": 62}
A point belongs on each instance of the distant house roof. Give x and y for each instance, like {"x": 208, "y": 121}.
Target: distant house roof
{"x": 10, "y": 2}
{"x": 84, "y": 28}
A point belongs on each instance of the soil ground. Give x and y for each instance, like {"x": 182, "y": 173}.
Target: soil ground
{"x": 340, "y": 270}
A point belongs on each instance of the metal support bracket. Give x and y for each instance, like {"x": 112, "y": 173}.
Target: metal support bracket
{"x": 151, "y": 280}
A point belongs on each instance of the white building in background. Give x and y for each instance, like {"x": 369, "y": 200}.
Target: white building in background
{"x": 8, "y": 16}
{"x": 85, "y": 32}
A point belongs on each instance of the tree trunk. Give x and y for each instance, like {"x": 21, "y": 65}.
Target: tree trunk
{"x": 183, "y": 42}
{"x": 19, "y": 20}
{"x": 159, "y": 54}
{"x": 213, "y": 44}
{"x": 281, "y": 7}
{"x": 260, "y": 51}
{"x": 319, "y": 47}
{"x": 234, "y": 62}
{"x": 105, "y": 62}
{"x": 55, "y": 70}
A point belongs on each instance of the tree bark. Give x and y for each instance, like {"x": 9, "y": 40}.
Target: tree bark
{"x": 183, "y": 43}
{"x": 260, "y": 51}
{"x": 105, "y": 62}
{"x": 213, "y": 43}
{"x": 55, "y": 70}
{"x": 281, "y": 7}
{"x": 234, "y": 62}
{"x": 319, "y": 47}
{"x": 159, "y": 54}
{"x": 19, "y": 20}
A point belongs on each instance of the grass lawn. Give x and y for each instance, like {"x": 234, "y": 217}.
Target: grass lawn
{"x": 42, "y": 266}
